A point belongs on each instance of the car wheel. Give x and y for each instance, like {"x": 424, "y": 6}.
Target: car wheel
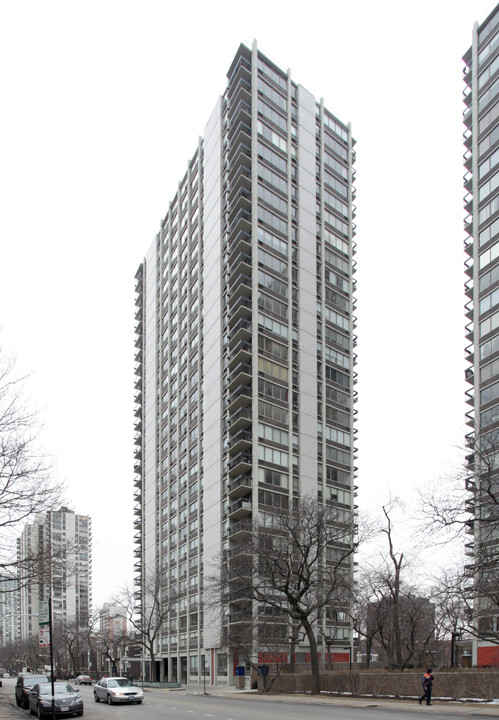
{"x": 96, "y": 698}
{"x": 139, "y": 702}
{"x": 109, "y": 700}
{"x": 80, "y": 713}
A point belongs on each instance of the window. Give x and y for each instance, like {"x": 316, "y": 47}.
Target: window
{"x": 271, "y": 283}
{"x": 273, "y": 434}
{"x": 337, "y": 436}
{"x": 271, "y": 499}
{"x": 335, "y": 184}
{"x": 273, "y": 477}
{"x": 338, "y": 456}
{"x": 273, "y": 221}
{"x": 271, "y": 455}
{"x": 272, "y": 94}
{"x": 338, "y": 262}
{"x": 335, "y": 203}
{"x": 335, "y": 165}
{"x": 338, "y": 495}
{"x": 489, "y": 301}
{"x": 489, "y": 347}
{"x": 335, "y": 356}
{"x": 272, "y": 241}
{"x": 270, "y": 198}
{"x": 272, "y": 325}
{"x": 272, "y": 347}
{"x": 490, "y": 393}
{"x": 489, "y": 209}
{"x": 272, "y": 157}
{"x": 489, "y": 324}
{"x": 335, "y": 318}
{"x": 272, "y": 305}
{"x": 271, "y": 390}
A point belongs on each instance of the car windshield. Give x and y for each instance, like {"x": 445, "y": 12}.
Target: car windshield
{"x": 59, "y": 687}
{"x": 119, "y": 682}
{"x": 29, "y": 682}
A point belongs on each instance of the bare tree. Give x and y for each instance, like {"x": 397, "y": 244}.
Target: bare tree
{"x": 468, "y": 505}
{"x": 25, "y": 475}
{"x": 297, "y": 562}
{"x": 73, "y": 636}
{"x": 262, "y": 645}
{"x": 393, "y": 613}
{"x": 147, "y": 618}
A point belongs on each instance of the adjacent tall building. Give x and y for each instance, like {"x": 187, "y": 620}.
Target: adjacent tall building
{"x": 60, "y": 544}
{"x": 481, "y": 119}
{"x": 245, "y": 357}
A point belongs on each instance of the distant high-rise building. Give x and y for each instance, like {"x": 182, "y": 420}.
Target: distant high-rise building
{"x": 61, "y": 541}
{"x": 113, "y": 622}
{"x": 481, "y": 181}
{"x": 244, "y": 350}
{"x": 9, "y": 611}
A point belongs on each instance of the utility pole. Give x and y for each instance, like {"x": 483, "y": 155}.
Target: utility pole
{"x": 45, "y": 638}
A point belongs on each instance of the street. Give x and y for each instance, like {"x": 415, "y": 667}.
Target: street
{"x": 189, "y": 705}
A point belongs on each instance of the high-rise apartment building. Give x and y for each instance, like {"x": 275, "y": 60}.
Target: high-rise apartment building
{"x": 481, "y": 118}
{"x": 9, "y": 611}
{"x": 244, "y": 350}
{"x": 61, "y": 543}
{"x": 113, "y": 623}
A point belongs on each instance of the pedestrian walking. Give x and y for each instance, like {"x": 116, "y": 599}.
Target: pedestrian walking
{"x": 427, "y": 683}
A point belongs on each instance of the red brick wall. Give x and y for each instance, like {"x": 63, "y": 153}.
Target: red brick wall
{"x": 488, "y": 655}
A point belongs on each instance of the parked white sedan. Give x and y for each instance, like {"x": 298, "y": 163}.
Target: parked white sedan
{"x": 116, "y": 690}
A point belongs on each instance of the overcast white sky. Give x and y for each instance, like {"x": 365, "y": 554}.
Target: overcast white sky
{"x": 102, "y": 104}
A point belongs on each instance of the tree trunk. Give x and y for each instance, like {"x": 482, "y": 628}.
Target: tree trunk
{"x": 314, "y": 658}
{"x": 153, "y": 666}
{"x": 369, "y": 647}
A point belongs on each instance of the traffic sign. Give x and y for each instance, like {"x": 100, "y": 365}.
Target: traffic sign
{"x": 44, "y": 637}
{"x": 43, "y": 612}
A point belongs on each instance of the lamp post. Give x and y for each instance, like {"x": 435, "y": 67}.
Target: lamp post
{"x": 454, "y": 636}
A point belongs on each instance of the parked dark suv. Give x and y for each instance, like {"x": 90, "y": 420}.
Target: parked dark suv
{"x": 23, "y": 686}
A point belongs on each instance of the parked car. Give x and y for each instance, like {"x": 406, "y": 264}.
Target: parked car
{"x": 116, "y": 690}
{"x": 23, "y": 687}
{"x": 67, "y": 700}
{"x": 83, "y": 680}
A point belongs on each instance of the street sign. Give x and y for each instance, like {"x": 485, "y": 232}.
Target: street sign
{"x": 43, "y": 612}
{"x": 44, "y": 637}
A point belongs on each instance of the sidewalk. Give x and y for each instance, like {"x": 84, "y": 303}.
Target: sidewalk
{"x": 438, "y": 707}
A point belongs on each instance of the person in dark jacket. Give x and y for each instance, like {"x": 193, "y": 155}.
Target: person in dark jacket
{"x": 427, "y": 683}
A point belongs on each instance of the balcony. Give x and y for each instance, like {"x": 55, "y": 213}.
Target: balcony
{"x": 241, "y": 308}
{"x": 241, "y": 352}
{"x": 240, "y": 442}
{"x": 241, "y": 330}
{"x": 241, "y": 92}
{"x": 240, "y": 263}
{"x": 240, "y": 398}
{"x": 240, "y": 509}
{"x": 240, "y": 419}
{"x": 240, "y": 485}
{"x": 243, "y": 226}
{"x": 240, "y": 529}
{"x": 239, "y": 243}
{"x": 240, "y": 375}
{"x": 240, "y": 464}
